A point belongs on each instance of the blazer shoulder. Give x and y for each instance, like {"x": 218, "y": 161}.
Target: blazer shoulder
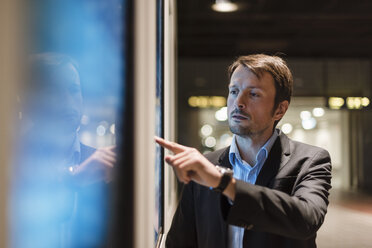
{"x": 214, "y": 156}
{"x": 307, "y": 150}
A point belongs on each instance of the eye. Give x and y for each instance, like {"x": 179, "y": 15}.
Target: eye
{"x": 254, "y": 94}
{"x": 233, "y": 92}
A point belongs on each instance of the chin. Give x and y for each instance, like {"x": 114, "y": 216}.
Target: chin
{"x": 240, "y": 130}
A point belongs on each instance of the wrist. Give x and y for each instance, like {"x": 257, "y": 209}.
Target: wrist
{"x": 216, "y": 180}
{"x": 230, "y": 190}
{"x": 224, "y": 178}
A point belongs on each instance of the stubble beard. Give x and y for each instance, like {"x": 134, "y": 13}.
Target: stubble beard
{"x": 241, "y": 131}
{"x": 246, "y": 131}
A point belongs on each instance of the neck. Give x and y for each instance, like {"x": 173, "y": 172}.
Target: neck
{"x": 249, "y": 145}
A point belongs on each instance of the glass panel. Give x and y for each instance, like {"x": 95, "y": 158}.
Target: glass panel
{"x": 65, "y": 154}
{"x": 159, "y": 128}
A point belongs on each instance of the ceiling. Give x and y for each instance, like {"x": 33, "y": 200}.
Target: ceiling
{"x": 296, "y": 28}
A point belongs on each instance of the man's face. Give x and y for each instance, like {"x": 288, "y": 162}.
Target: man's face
{"x": 67, "y": 103}
{"x": 250, "y": 102}
{"x": 57, "y": 101}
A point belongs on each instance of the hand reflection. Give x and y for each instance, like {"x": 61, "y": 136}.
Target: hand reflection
{"x": 98, "y": 167}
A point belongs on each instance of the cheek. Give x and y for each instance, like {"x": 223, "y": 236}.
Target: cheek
{"x": 230, "y": 105}
{"x": 261, "y": 110}
{"x": 78, "y": 98}
{"x": 230, "y": 100}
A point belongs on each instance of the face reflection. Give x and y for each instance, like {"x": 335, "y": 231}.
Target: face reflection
{"x": 250, "y": 102}
{"x": 57, "y": 101}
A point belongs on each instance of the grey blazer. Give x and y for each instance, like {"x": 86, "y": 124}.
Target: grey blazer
{"x": 285, "y": 207}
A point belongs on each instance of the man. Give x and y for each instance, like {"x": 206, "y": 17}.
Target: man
{"x": 278, "y": 193}
{"x": 60, "y": 182}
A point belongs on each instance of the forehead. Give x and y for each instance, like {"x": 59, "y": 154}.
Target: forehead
{"x": 67, "y": 74}
{"x": 243, "y": 77}
{"x": 55, "y": 75}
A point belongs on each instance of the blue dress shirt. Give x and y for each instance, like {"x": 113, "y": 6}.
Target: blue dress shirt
{"x": 245, "y": 172}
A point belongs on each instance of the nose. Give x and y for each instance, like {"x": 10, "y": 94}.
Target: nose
{"x": 239, "y": 102}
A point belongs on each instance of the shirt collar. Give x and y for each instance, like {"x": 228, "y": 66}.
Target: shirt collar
{"x": 264, "y": 150}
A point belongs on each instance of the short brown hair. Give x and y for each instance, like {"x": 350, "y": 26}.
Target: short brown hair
{"x": 276, "y": 66}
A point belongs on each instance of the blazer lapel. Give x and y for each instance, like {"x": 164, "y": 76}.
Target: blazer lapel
{"x": 278, "y": 157}
{"x": 224, "y": 158}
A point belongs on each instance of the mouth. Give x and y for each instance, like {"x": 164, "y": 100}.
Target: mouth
{"x": 239, "y": 117}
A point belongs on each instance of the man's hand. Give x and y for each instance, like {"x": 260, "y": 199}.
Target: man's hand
{"x": 189, "y": 164}
{"x": 98, "y": 167}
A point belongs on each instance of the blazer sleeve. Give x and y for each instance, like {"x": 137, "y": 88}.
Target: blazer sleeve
{"x": 297, "y": 216}
{"x": 183, "y": 231}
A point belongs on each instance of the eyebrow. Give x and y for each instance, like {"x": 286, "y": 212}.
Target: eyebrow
{"x": 250, "y": 87}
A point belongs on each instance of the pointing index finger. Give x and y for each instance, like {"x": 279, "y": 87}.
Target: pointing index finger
{"x": 172, "y": 146}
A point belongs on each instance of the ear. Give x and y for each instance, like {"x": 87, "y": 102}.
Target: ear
{"x": 281, "y": 110}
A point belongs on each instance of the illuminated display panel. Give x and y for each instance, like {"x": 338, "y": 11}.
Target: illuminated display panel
{"x": 159, "y": 127}
{"x": 67, "y": 135}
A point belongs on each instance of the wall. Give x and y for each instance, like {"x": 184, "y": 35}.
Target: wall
{"x": 10, "y": 73}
